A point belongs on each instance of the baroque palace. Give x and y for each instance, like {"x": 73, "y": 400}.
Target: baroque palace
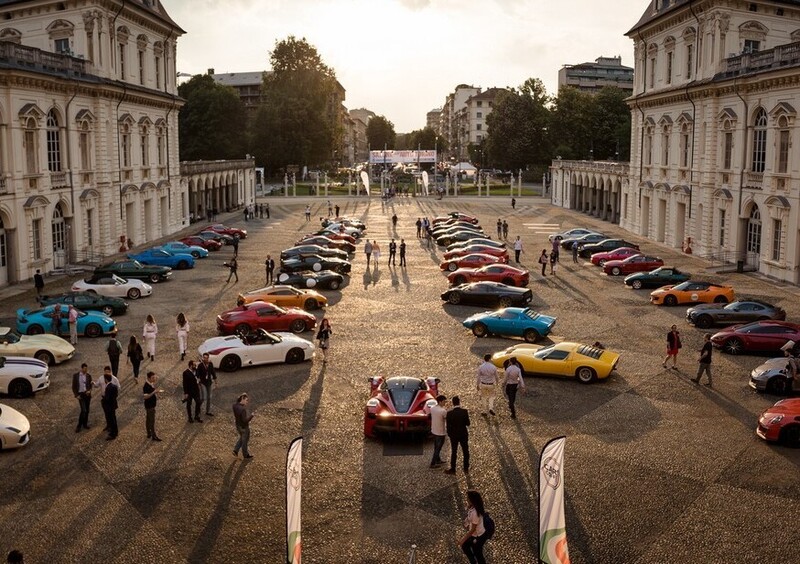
{"x": 89, "y": 134}
{"x": 715, "y": 151}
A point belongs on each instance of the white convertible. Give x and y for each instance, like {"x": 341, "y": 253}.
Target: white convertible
{"x": 20, "y": 376}
{"x": 233, "y": 352}
{"x": 114, "y": 286}
{"x": 15, "y": 430}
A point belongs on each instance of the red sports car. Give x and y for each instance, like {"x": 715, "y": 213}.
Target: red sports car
{"x": 455, "y": 215}
{"x": 400, "y": 404}
{"x": 503, "y": 273}
{"x": 225, "y": 230}
{"x": 483, "y": 249}
{"x": 327, "y": 242}
{"x": 208, "y": 244}
{"x": 636, "y": 263}
{"x": 760, "y": 336}
{"x": 263, "y": 315}
{"x": 474, "y": 260}
{"x": 600, "y": 259}
{"x": 781, "y": 423}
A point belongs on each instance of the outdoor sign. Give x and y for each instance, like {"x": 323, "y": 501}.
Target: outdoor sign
{"x": 552, "y": 524}
{"x": 294, "y": 484}
{"x": 403, "y": 157}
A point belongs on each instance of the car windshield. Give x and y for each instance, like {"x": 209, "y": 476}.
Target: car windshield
{"x": 10, "y": 337}
{"x": 541, "y": 353}
{"x": 682, "y": 285}
{"x": 402, "y": 391}
{"x": 117, "y": 279}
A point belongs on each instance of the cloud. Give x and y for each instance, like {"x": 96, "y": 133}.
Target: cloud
{"x": 416, "y": 4}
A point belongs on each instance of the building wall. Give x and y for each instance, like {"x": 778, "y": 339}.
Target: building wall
{"x": 592, "y": 77}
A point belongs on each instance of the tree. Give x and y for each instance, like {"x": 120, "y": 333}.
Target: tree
{"x": 570, "y": 127}
{"x": 211, "y": 123}
{"x": 426, "y": 138}
{"x": 610, "y": 119}
{"x": 380, "y": 133}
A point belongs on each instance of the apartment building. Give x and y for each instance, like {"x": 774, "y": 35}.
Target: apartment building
{"x": 592, "y": 77}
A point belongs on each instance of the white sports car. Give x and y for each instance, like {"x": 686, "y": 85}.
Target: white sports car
{"x": 47, "y": 348}
{"x": 233, "y": 352}
{"x": 114, "y": 286}
{"x": 15, "y": 430}
{"x": 20, "y": 376}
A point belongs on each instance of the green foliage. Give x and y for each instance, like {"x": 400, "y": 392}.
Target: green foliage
{"x": 380, "y": 133}
{"x": 610, "y": 120}
{"x": 426, "y": 138}
{"x": 211, "y": 122}
{"x": 570, "y": 127}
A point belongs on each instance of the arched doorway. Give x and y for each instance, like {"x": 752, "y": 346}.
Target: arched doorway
{"x": 59, "y": 229}
{"x": 753, "y": 244}
{"x": 3, "y": 255}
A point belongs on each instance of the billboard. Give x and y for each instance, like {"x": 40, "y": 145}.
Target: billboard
{"x": 402, "y": 157}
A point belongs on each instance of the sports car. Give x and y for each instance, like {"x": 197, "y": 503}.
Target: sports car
{"x": 570, "y": 234}
{"x": 335, "y": 235}
{"x": 324, "y": 279}
{"x": 260, "y": 347}
{"x": 740, "y": 311}
{"x": 220, "y": 237}
{"x": 474, "y": 260}
{"x": 587, "y": 363}
{"x": 582, "y": 240}
{"x": 455, "y": 215}
{"x": 451, "y": 222}
{"x": 160, "y": 257}
{"x": 113, "y": 286}
{"x": 179, "y": 247}
{"x": 399, "y": 404}
{"x": 128, "y": 269}
{"x": 225, "y": 230}
{"x": 347, "y": 221}
{"x": 87, "y": 301}
{"x": 692, "y": 291}
{"x": 197, "y": 241}
{"x": 487, "y": 294}
{"x": 588, "y": 249}
{"x": 759, "y": 336}
{"x": 47, "y": 348}
{"x": 600, "y": 259}
{"x": 335, "y": 227}
{"x": 15, "y": 430}
{"x": 477, "y": 241}
{"x": 449, "y": 230}
{"x": 773, "y": 376}
{"x": 261, "y": 315}
{"x": 300, "y": 250}
{"x": 483, "y": 249}
{"x": 315, "y": 263}
{"x": 90, "y": 323}
{"x": 460, "y": 237}
{"x": 511, "y": 321}
{"x": 503, "y": 273}
{"x": 781, "y": 423}
{"x": 20, "y": 376}
{"x": 656, "y": 278}
{"x": 285, "y": 296}
{"x": 328, "y": 243}
{"x": 636, "y": 263}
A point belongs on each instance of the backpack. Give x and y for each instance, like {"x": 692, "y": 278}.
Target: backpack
{"x": 113, "y": 348}
{"x": 488, "y": 526}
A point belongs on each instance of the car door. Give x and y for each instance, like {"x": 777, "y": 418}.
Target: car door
{"x": 283, "y": 297}
{"x": 83, "y": 302}
{"x": 496, "y": 324}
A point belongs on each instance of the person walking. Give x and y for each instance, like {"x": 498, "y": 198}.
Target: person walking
{"x": 513, "y": 203}
{"x": 402, "y": 252}
{"x": 56, "y": 320}
{"x": 553, "y": 261}
{"x": 114, "y": 351}
{"x": 376, "y": 250}
{"x": 505, "y": 229}
{"x": 135, "y": 356}
{"x": 438, "y": 429}
{"x": 324, "y": 337}
{"x": 246, "y": 212}
{"x": 191, "y": 392}
{"x": 150, "y": 393}
{"x": 457, "y": 422}
{"x": 235, "y": 245}
{"x": 673, "y": 346}
{"x": 308, "y": 213}
{"x": 149, "y": 332}
{"x": 109, "y": 403}
{"x": 234, "y": 267}
{"x": 330, "y": 209}
{"x": 543, "y": 261}
{"x": 392, "y": 254}
{"x": 394, "y": 222}
{"x": 499, "y": 228}
{"x": 182, "y": 331}
{"x": 336, "y": 209}
{"x": 474, "y": 539}
{"x": 368, "y": 251}
{"x": 486, "y": 382}
{"x": 575, "y": 251}
{"x": 517, "y": 249}
{"x": 513, "y": 382}
{"x": 38, "y": 282}
{"x": 556, "y": 245}
{"x": 704, "y": 362}
{"x": 269, "y": 266}
{"x": 82, "y": 390}
{"x": 419, "y": 228}
{"x": 242, "y": 419}
{"x": 266, "y": 209}
{"x": 207, "y": 377}
{"x": 72, "y": 323}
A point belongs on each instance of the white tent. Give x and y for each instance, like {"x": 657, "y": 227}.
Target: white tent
{"x": 464, "y": 168}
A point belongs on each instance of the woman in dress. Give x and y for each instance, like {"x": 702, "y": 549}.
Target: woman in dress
{"x": 376, "y": 252}
{"x": 182, "y": 329}
{"x": 472, "y": 542}
{"x": 324, "y": 336}
{"x": 149, "y": 332}
{"x": 135, "y": 356}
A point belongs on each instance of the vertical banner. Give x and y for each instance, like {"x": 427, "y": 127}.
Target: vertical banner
{"x": 425, "y": 182}
{"x": 552, "y": 524}
{"x": 365, "y": 180}
{"x": 294, "y": 486}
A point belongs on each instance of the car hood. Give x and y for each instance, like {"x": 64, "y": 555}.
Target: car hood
{"x": 51, "y": 342}
{"x": 778, "y": 363}
{"x": 705, "y": 307}
{"x": 784, "y": 407}
{"x": 10, "y": 417}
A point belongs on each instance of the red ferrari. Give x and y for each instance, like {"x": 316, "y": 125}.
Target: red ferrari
{"x": 455, "y": 215}
{"x": 600, "y": 259}
{"x": 760, "y": 336}
{"x": 503, "y": 273}
{"x": 474, "y": 260}
{"x": 262, "y": 315}
{"x": 208, "y": 244}
{"x": 636, "y": 263}
{"x": 225, "y": 230}
{"x": 400, "y": 404}
{"x": 477, "y": 248}
{"x": 781, "y": 423}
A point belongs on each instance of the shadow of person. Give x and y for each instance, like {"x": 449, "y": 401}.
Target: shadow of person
{"x": 395, "y": 279}
{"x": 376, "y": 275}
{"x": 367, "y": 278}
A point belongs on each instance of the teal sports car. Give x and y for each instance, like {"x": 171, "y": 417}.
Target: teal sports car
{"x": 90, "y": 323}
{"x": 511, "y": 322}
{"x": 160, "y": 257}
{"x": 663, "y": 276}
{"x": 177, "y": 248}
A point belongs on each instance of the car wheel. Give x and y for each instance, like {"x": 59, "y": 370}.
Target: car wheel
{"x": 297, "y": 326}
{"x": 720, "y": 300}
{"x": 778, "y": 385}
{"x": 459, "y": 280}
{"x": 585, "y": 375}
{"x": 196, "y": 254}
{"x": 154, "y": 278}
{"x": 310, "y": 304}
{"x": 452, "y": 267}
{"x": 46, "y": 357}
{"x": 733, "y": 346}
{"x": 333, "y": 284}
{"x": 35, "y": 330}
{"x": 108, "y": 310}
{"x": 601, "y": 263}
{"x": 504, "y": 301}
{"x": 230, "y": 363}
{"x": 19, "y": 388}
{"x": 454, "y": 298}
{"x": 704, "y": 322}
{"x": 507, "y": 281}
{"x": 616, "y": 271}
{"x": 670, "y": 300}
{"x": 242, "y": 329}
{"x": 294, "y": 356}
{"x": 530, "y": 335}
{"x": 480, "y": 330}
{"x": 134, "y": 293}
{"x": 636, "y": 284}
{"x": 183, "y": 265}
{"x": 790, "y": 436}
{"x": 93, "y": 330}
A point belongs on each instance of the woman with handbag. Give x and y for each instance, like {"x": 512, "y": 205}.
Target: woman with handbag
{"x": 135, "y": 356}
{"x": 323, "y": 336}
{"x": 673, "y": 346}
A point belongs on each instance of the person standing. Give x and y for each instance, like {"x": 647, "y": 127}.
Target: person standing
{"x": 269, "y": 265}
{"x": 438, "y": 429}
{"x": 392, "y": 254}
{"x": 474, "y": 539}
{"x": 308, "y": 213}
{"x": 499, "y": 228}
{"x": 394, "y": 222}
{"x": 419, "y": 228}
{"x": 486, "y": 382}
{"x": 553, "y": 260}
{"x": 38, "y": 282}
{"x": 673, "y": 346}
{"x": 513, "y": 203}
{"x": 207, "y": 377}
{"x": 704, "y": 363}
{"x": 513, "y": 382}
{"x": 234, "y": 267}
{"x": 368, "y": 251}
{"x": 324, "y": 337}
{"x": 191, "y": 392}
{"x": 267, "y": 210}
{"x": 402, "y": 252}
{"x": 246, "y": 212}
{"x": 150, "y": 393}
{"x": 505, "y": 229}
{"x": 575, "y": 251}
{"x": 242, "y": 419}
{"x": 82, "y": 390}
{"x": 109, "y": 403}
{"x": 114, "y": 351}
{"x": 556, "y": 245}
{"x": 182, "y": 331}
{"x": 56, "y": 320}
{"x": 517, "y": 249}
{"x": 336, "y": 208}
{"x": 149, "y": 332}
{"x": 376, "y": 250}
{"x": 543, "y": 261}
{"x": 135, "y": 356}
{"x": 261, "y": 209}
{"x": 72, "y": 323}
{"x": 330, "y": 208}
{"x": 457, "y": 422}
{"x": 235, "y": 245}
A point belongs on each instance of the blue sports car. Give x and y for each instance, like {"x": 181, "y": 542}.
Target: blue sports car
{"x": 90, "y": 323}
{"x": 511, "y": 321}
{"x": 177, "y": 248}
{"x": 160, "y": 257}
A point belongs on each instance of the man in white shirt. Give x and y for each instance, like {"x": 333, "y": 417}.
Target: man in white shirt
{"x": 486, "y": 381}
{"x": 438, "y": 429}
{"x": 517, "y": 249}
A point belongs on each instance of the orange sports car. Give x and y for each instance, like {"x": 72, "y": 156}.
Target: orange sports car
{"x": 284, "y": 296}
{"x": 692, "y": 292}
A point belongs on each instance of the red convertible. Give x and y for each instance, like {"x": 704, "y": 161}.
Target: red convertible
{"x": 636, "y": 263}
{"x": 503, "y": 273}
{"x": 262, "y": 315}
{"x": 477, "y": 248}
{"x": 600, "y": 259}
{"x": 225, "y": 230}
{"x": 208, "y": 244}
{"x": 474, "y": 260}
{"x": 400, "y": 405}
{"x": 781, "y": 423}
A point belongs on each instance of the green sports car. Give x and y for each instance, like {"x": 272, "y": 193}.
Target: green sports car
{"x": 87, "y": 301}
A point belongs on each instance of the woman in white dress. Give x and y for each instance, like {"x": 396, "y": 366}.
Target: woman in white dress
{"x": 182, "y": 329}
{"x": 149, "y": 332}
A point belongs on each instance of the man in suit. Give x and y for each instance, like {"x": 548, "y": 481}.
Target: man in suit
{"x": 392, "y": 253}
{"x": 38, "y": 282}
{"x": 458, "y": 432}
{"x": 269, "y": 264}
{"x": 207, "y": 377}
{"x": 82, "y": 390}
{"x": 109, "y": 403}
{"x": 191, "y": 392}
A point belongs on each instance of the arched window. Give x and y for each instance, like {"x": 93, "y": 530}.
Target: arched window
{"x": 727, "y": 145}
{"x": 759, "y": 141}
{"x": 53, "y": 143}
{"x": 59, "y": 229}
{"x": 784, "y": 134}
{"x": 754, "y": 231}
{"x": 31, "y": 146}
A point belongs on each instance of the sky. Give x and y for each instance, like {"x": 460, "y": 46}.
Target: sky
{"x": 400, "y": 58}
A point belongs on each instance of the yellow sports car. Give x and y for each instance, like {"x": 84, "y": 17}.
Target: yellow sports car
{"x": 587, "y": 363}
{"x": 285, "y": 296}
{"x": 692, "y": 292}
{"x": 47, "y": 348}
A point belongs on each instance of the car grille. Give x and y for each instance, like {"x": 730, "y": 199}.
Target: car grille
{"x": 23, "y": 440}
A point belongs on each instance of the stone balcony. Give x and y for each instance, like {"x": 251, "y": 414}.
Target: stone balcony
{"x": 30, "y": 58}
{"x": 780, "y": 56}
{"x": 609, "y": 167}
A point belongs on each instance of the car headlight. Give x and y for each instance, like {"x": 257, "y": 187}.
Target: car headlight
{"x": 37, "y": 375}
{"x": 373, "y": 402}
{"x": 776, "y": 419}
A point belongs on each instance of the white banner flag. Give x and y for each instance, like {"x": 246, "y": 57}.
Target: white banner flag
{"x": 294, "y": 486}
{"x": 425, "y": 181}
{"x": 552, "y": 524}
{"x": 365, "y": 180}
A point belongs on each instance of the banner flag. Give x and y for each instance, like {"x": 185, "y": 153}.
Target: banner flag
{"x": 553, "y": 547}
{"x": 294, "y": 484}
{"x": 425, "y": 181}
{"x": 365, "y": 180}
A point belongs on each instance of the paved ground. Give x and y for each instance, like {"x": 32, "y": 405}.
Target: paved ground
{"x": 657, "y": 469}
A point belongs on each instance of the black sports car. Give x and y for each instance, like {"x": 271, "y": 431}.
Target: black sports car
{"x": 740, "y": 311}
{"x": 328, "y": 243}
{"x": 128, "y": 268}
{"x": 488, "y": 294}
{"x": 301, "y": 250}
{"x": 326, "y": 279}
{"x": 315, "y": 263}
{"x": 587, "y": 239}
{"x": 87, "y": 301}
{"x": 603, "y": 246}
{"x": 666, "y": 275}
